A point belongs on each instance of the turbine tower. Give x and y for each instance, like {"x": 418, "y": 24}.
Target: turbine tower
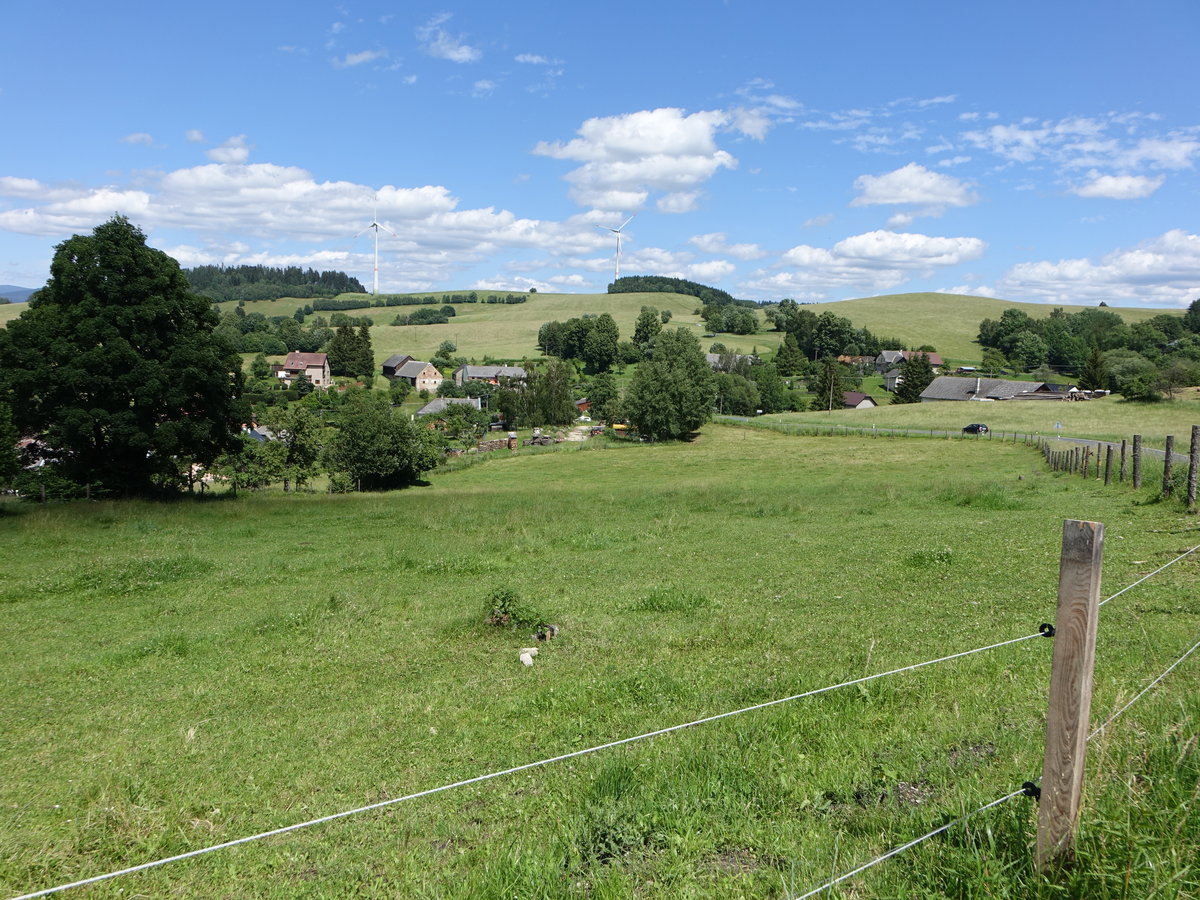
{"x": 375, "y": 224}
{"x": 617, "y": 232}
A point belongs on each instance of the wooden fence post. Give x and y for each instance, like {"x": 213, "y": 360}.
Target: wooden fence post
{"x": 1108, "y": 455}
{"x": 1124, "y": 462}
{"x": 1168, "y": 468}
{"x": 1070, "y": 690}
{"x": 1137, "y": 460}
{"x": 1193, "y": 464}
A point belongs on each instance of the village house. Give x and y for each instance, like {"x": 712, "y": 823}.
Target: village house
{"x": 440, "y": 404}
{"x": 423, "y": 376}
{"x": 490, "y": 374}
{"x": 313, "y": 366}
{"x": 857, "y": 400}
{"x": 892, "y": 359}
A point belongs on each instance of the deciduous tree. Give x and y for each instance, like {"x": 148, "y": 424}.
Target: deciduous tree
{"x": 672, "y": 393}
{"x": 116, "y": 366}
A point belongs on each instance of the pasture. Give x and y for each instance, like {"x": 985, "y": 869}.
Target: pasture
{"x": 1109, "y": 418}
{"x": 179, "y": 675}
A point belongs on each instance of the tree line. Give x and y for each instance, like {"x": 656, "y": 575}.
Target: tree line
{"x": 708, "y": 296}
{"x": 220, "y": 283}
{"x": 1098, "y": 349}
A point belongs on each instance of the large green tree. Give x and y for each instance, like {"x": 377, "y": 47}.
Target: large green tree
{"x": 672, "y": 393}
{"x": 828, "y": 384}
{"x": 116, "y": 367}
{"x": 377, "y": 447}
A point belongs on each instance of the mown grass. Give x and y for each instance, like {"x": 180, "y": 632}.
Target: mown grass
{"x": 178, "y": 675}
{"x": 1109, "y": 418}
{"x": 949, "y": 322}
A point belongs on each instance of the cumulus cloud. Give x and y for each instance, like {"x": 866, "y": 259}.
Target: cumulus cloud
{"x": 678, "y": 202}
{"x": 1162, "y": 271}
{"x": 625, "y": 157}
{"x": 536, "y": 59}
{"x": 234, "y": 150}
{"x": 979, "y": 290}
{"x": 440, "y": 44}
{"x": 874, "y": 261}
{"x": 357, "y": 59}
{"x": 139, "y": 137}
{"x": 194, "y": 136}
{"x": 718, "y": 245}
{"x": 913, "y": 184}
{"x": 1118, "y": 187}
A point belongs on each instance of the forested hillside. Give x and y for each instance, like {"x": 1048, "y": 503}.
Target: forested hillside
{"x": 267, "y": 283}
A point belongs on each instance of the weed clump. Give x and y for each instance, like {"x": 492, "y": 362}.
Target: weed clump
{"x": 507, "y": 610}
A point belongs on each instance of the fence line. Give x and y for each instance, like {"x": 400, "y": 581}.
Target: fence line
{"x": 587, "y": 751}
{"x": 1151, "y": 575}
{"x": 521, "y": 768}
{"x": 896, "y": 851}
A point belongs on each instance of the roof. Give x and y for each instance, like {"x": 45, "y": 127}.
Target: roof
{"x": 491, "y": 371}
{"x": 440, "y": 404}
{"x": 396, "y": 360}
{"x": 947, "y": 387}
{"x": 412, "y": 368}
{"x": 853, "y": 398}
{"x": 298, "y": 360}
{"x": 934, "y": 359}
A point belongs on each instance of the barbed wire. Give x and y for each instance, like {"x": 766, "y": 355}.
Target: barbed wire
{"x": 510, "y": 771}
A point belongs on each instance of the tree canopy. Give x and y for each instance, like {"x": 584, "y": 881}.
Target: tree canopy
{"x": 672, "y": 393}
{"x": 116, "y": 367}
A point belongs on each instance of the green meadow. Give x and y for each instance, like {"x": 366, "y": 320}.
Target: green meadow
{"x": 1110, "y": 418}
{"x": 178, "y": 675}
{"x": 949, "y": 322}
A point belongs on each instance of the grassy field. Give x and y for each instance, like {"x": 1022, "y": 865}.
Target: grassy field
{"x": 510, "y": 331}
{"x": 174, "y": 676}
{"x": 1109, "y": 418}
{"x": 949, "y": 322}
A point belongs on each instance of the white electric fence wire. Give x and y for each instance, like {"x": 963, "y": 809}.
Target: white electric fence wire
{"x": 1151, "y": 575}
{"x": 1145, "y": 690}
{"x": 533, "y": 765}
{"x": 895, "y": 851}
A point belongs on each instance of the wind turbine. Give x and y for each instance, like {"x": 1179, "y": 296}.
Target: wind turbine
{"x": 375, "y": 224}
{"x": 617, "y": 232}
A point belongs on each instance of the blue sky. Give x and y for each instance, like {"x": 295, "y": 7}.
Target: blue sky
{"x": 1041, "y": 152}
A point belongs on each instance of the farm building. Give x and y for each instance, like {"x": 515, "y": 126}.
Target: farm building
{"x": 948, "y": 387}
{"x": 857, "y": 400}
{"x": 490, "y": 374}
{"x": 423, "y": 376}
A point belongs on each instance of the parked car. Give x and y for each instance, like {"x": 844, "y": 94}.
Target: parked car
{"x": 976, "y": 428}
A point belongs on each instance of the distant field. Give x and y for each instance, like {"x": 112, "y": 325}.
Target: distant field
{"x": 949, "y": 322}
{"x": 1107, "y": 419}
{"x": 503, "y": 330}
{"x": 183, "y": 674}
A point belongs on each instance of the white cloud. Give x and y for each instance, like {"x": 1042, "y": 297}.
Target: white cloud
{"x": 536, "y": 59}
{"x": 483, "y": 88}
{"x": 713, "y": 270}
{"x": 357, "y": 59}
{"x": 440, "y": 44}
{"x": 913, "y": 184}
{"x": 818, "y": 221}
{"x": 717, "y": 244}
{"x": 139, "y": 137}
{"x": 979, "y": 290}
{"x": 194, "y": 136}
{"x": 954, "y": 161}
{"x": 1162, "y": 271}
{"x": 1119, "y": 187}
{"x": 233, "y": 150}
{"x": 875, "y": 261}
{"x": 678, "y": 202}
{"x": 625, "y": 157}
